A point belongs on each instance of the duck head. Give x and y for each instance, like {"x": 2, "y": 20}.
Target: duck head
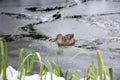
{"x": 59, "y": 38}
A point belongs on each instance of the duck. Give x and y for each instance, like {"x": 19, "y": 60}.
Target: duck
{"x": 66, "y": 40}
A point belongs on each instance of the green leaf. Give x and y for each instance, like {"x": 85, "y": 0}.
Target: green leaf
{"x": 32, "y": 61}
{"x": 3, "y": 57}
{"x": 111, "y": 73}
{"x": 100, "y": 65}
{"x": 74, "y": 75}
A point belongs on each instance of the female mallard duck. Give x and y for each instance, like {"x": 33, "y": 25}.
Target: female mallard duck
{"x": 66, "y": 40}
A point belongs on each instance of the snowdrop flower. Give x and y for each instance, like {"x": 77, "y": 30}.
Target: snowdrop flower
{"x": 11, "y": 73}
{"x": 48, "y": 77}
{"x": 31, "y": 77}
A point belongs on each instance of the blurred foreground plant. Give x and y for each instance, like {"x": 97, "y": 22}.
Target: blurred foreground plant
{"x": 26, "y": 64}
{"x": 96, "y": 73}
{"x": 3, "y": 58}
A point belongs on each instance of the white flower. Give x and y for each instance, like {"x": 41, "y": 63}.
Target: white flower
{"x": 11, "y": 73}
{"x": 31, "y": 77}
{"x": 48, "y": 77}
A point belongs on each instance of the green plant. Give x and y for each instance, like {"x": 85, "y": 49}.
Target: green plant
{"x": 57, "y": 69}
{"x": 30, "y": 60}
{"x": 103, "y": 73}
{"x": 118, "y": 78}
{"x": 3, "y": 58}
{"x": 74, "y": 75}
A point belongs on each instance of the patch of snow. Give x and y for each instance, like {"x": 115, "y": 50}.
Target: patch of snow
{"x": 45, "y": 18}
{"x": 12, "y": 74}
{"x": 77, "y": 1}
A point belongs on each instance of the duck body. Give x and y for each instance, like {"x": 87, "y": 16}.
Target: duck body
{"x": 66, "y": 40}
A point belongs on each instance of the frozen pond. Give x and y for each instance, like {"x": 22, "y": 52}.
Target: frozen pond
{"x": 95, "y": 25}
